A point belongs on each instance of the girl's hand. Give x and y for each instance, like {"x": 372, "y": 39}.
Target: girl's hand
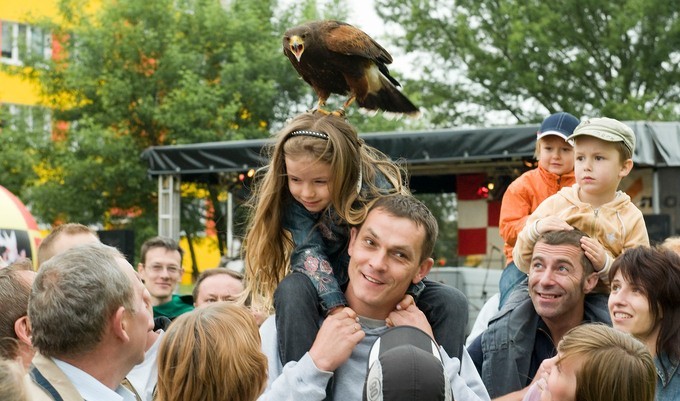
{"x": 406, "y": 302}
{"x": 594, "y": 252}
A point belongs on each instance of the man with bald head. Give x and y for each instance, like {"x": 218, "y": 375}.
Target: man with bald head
{"x": 64, "y": 237}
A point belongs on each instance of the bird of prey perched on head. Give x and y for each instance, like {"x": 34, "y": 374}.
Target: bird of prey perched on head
{"x": 335, "y": 57}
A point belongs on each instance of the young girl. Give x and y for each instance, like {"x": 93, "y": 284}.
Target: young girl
{"x": 322, "y": 179}
{"x": 645, "y": 302}
{"x": 596, "y": 362}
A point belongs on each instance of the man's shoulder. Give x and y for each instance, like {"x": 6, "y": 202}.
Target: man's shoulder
{"x": 44, "y": 374}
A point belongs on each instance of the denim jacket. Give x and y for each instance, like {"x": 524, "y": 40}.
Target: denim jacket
{"x": 321, "y": 241}
{"x": 508, "y": 345}
{"x": 320, "y": 250}
{"x": 667, "y": 388}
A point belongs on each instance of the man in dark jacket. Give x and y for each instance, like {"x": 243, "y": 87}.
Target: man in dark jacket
{"x": 526, "y": 331}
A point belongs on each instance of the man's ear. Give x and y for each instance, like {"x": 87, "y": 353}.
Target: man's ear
{"x": 423, "y": 270}
{"x": 625, "y": 168}
{"x": 590, "y": 283}
{"x": 22, "y": 328}
{"x": 119, "y": 324}
{"x": 352, "y": 237}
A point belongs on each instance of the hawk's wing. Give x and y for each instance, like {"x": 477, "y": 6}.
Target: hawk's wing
{"x": 346, "y": 39}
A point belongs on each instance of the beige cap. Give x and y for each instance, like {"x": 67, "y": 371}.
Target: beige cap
{"x": 606, "y": 129}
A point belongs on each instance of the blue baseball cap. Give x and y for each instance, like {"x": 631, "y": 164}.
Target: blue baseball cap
{"x": 561, "y": 124}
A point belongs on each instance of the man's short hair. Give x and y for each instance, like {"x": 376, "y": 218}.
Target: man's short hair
{"x": 408, "y": 207}
{"x": 14, "y": 292}
{"x": 161, "y": 242}
{"x": 45, "y": 249}
{"x": 214, "y": 272}
{"x": 74, "y": 296}
{"x": 568, "y": 237}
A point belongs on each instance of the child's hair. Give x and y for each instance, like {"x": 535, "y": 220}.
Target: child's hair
{"x": 672, "y": 243}
{"x": 655, "y": 272}
{"x": 616, "y": 366}
{"x": 211, "y": 354}
{"x": 12, "y": 381}
{"x": 355, "y": 166}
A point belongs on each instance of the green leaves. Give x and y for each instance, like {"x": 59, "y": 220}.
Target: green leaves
{"x": 529, "y": 58}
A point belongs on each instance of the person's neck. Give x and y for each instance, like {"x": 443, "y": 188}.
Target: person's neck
{"x": 596, "y": 200}
{"x": 104, "y": 366}
{"x": 560, "y": 325}
{"x": 651, "y": 339}
{"x": 155, "y": 301}
{"x": 365, "y": 310}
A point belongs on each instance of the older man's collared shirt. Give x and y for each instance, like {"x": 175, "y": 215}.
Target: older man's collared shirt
{"x": 90, "y": 388}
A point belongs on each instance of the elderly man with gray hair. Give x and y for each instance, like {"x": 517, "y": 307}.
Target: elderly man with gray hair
{"x": 90, "y": 316}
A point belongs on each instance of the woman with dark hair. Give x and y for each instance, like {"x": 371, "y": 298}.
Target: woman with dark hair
{"x": 645, "y": 302}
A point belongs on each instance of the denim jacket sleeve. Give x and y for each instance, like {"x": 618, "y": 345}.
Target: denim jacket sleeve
{"x": 310, "y": 255}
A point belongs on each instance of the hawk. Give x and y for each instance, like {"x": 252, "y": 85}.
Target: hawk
{"x": 335, "y": 57}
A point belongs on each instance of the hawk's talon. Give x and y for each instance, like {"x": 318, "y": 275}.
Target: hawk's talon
{"x": 339, "y": 113}
{"x": 321, "y": 111}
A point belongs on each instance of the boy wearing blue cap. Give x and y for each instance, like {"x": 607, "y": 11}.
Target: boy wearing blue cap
{"x": 555, "y": 171}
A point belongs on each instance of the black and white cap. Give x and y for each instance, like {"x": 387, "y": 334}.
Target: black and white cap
{"x": 405, "y": 365}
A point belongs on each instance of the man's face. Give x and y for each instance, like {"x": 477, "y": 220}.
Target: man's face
{"x": 140, "y": 321}
{"x": 557, "y": 284}
{"x": 220, "y": 287}
{"x": 385, "y": 259}
{"x": 161, "y": 273}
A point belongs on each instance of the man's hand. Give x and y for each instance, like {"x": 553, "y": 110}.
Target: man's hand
{"x": 594, "y": 252}
{"x": 337, "y": 337}
{"x": 411, "y": 316}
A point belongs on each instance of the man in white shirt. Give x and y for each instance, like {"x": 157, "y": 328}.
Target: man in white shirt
{"x": 90, "y": 317}
{"x": 388, "y": 252}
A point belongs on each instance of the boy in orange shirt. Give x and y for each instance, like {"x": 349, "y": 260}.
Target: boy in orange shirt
{"x": 555, "y": 171}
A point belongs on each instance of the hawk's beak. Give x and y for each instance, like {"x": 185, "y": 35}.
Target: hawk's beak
{"x": 297, "y": 46}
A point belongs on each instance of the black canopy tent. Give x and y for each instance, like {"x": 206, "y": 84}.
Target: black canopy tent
{"x": 432, "y": 158}
{"x": 429, "y": 155}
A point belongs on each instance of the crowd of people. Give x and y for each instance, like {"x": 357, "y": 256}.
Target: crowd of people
{"x": 335, "y": 303}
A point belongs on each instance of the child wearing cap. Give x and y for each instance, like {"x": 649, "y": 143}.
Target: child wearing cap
{"x": 603, "y": 150}
{"x": 555, "y": 171}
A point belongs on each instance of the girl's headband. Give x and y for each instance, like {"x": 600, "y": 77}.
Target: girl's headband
{"x": 315, "y": 134}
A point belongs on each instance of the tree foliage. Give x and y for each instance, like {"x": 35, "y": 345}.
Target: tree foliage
{"x": 136, "y": 74}
{"x": 526, "y": 59}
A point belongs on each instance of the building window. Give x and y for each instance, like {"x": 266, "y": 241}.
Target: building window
{"x": 19, "y": 40}
{"x": 28, "y": 119}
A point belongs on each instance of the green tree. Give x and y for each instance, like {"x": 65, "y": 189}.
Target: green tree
{"x": 530, "y": 58}
{"x": 136, "y": 74}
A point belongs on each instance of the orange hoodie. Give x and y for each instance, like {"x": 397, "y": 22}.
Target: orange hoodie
{"x": 523, "y": 197}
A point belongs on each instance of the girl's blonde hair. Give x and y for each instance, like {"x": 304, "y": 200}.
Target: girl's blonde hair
{"x": 212, "y": 354}
{"x": 616, "y": 366}
{"x": 353, "y": 188}
{"x": 12, "y": 385}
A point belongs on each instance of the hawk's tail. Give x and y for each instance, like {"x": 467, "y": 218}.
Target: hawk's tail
{"x": 388, "y": 98}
